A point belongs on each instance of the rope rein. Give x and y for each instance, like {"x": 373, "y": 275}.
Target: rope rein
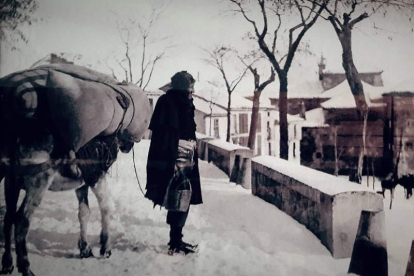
{"x": 136, "y": 173}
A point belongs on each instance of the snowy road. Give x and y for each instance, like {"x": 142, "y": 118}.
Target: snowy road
{"x": 238, "y": 234}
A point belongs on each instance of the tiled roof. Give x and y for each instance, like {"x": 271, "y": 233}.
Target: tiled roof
{"x": 203, "y": 105}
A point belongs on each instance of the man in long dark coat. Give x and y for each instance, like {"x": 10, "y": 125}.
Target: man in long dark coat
{"x": 172, "y": 121}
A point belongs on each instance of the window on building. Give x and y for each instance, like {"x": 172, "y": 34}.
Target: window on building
{"x": 259, "y": 144}
{"x": 329, "y": 153}
{"x": 151, "y": 101}
{"x": 216, "y": 128}
{"x": 243, "y": 123}
{"x": 269, "y": 131}
{"x": 259, "y": 123}
{"x": 243, "y": 141}
{"x": 233, "y": 124}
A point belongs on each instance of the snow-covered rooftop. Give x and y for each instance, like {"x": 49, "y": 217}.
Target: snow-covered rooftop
{"x": 237, "y": 101}
{"x": 315, "y": 118}
{"x": 306, "y": 89}
{"x": 341, "y": 95}
{"x": 204, "y": 105}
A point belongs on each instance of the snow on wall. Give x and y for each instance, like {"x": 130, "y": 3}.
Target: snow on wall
{"x": 226, "y": 145}
{"x": 316, "y": 179}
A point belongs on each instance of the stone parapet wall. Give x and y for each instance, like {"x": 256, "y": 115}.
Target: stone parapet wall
{"x": 202, "y": 145}
{"x": 223, "y": 154}
{"x": 328, "y": 206}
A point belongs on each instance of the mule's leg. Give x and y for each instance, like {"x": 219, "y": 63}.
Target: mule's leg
{"x": 36, "y": 187}
{"x": 392, "y": 196}
{"x": 11, "y": 194}
{"x": 83, "y": 216}
{"x": 103, "y": 195}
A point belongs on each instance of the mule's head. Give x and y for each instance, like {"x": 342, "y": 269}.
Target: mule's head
{"x": 137, "y": 118}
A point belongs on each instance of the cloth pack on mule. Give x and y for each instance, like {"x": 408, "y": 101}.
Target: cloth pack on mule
{"x": 77, "y": 102}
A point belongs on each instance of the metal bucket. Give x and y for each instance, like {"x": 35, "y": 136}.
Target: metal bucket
{"x": 178, "y": 195}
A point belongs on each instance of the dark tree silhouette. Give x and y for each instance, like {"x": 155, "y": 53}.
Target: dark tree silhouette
{"x": 268, "y": 40}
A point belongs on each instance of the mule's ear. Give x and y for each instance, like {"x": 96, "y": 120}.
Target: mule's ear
{"x": 125, "y": 146}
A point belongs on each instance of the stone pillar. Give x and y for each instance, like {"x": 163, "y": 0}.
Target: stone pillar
{"x": 369, "y": 255}
{"x": 410, "y": 264}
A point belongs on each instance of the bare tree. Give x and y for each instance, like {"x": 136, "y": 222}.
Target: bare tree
{"x": 136, "y": 37}
{"x": 258, "y": 89}
{"x": 13, "y": 14}
{"x": 268, "y": 41}
{"x": 218, "y": 58}
{"x": 343, "y": 16}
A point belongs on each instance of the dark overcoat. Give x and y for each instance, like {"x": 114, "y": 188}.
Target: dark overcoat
{"x": 165, "y": 127}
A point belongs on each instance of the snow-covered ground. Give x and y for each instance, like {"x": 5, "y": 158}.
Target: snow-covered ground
{"x": 237, "y": 233}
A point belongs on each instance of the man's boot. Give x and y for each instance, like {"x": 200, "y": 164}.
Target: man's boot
{"x": 176, "y": 243}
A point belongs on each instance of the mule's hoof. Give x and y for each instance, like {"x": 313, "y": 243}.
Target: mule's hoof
{"x": 106, "y": 253}
{"x": 7, "y": 270}
{"x": 86, "y": 253}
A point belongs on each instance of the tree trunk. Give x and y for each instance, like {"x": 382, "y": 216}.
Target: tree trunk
{"x": 253, "y": 122}
{"x": 357, "y": 90}
{"x": 228, "y": 118}
{"x": 1, "y": 44}
{"x": 335, "y": 132}
{"x": 209, "y": 129}
{"x": 283, "y": 110}
{"x": 352, "y": 74}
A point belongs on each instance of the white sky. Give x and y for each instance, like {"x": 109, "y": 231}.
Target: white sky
{"x": 88, "y": 27}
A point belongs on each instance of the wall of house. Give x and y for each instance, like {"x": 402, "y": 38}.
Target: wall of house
{"x": 401, "y": 132}
{"x": 239, "y": 134}
{"x": 218, "y": 126}
{"x": 318, "y": 146}
{"x": 295, "y": 135}
{"x": 199, "y": 118}
{"x": 297, "y": 106}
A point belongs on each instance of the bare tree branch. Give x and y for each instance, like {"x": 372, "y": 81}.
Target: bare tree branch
{"x": 358, "y": 19}
{"x": 140, "y": 32}
{"x": 157, "y": 58}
